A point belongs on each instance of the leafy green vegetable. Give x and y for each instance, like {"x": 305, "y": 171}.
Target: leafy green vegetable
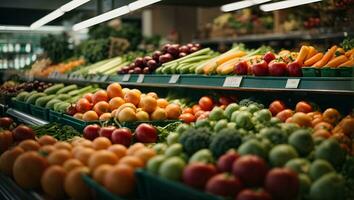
{"x": 56, "y": 47}
{"x": 225, "y": 140}
{"x": 348, "y": 44}
{"x": 194, "y": 139}
{"x": 58, "y": 131}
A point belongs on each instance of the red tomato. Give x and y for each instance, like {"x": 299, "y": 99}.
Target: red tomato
{"x": 188, "y": 110}
{"x": 187, "y": 118}
{"x": 206, "y": 103}
{"x": 304, "y": 107}
{"x": 200, "y": 112}
{"x": 196, "y": 108}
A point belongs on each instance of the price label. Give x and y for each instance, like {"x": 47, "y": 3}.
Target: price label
{"x": 126, "y": 77}
{"x": 174, "y": 78}
{"x": 140, "y": 78}
{"x": 233, "y": 81}
{"x": 292, "y": 83}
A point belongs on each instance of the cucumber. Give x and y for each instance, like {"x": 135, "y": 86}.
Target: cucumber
{"x": 42, "y": 101}
{"x": 76, "y": 92}
{"x": 32, "y": 99}
{"x": 50, "y": 104}
{"x": 53, "y": 89}
{"x": 67, "y": 89}
{"x": 22, "y": 96}
{"x": 63, "y": 97}
{"x": 33, "y": 92}
{"x": 61, "y": 106}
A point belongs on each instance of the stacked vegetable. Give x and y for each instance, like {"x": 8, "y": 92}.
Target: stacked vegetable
{"x": 105, "y": 67}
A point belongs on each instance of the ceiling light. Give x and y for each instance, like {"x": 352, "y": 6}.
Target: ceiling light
{"x": 241, "y": 4}
{"x": 141, "y": 3}
{"x": 48, "y": 18}
{"x": 101, "y": 18}
{"x": 27, "y": 28}
{"x": 72, "y": 5}
{"x": 285, "y": 4}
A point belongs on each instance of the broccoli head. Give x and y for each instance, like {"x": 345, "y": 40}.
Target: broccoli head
{"x": 194, "y": 139}
{"x": 225, "y": 140}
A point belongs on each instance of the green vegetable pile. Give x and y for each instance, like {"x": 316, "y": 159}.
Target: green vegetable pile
{"x": 58, "y": 131}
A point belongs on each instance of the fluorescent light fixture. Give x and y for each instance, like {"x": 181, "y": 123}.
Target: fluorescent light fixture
{"x": 102, "y": 18}
{"x": 241, "y": 4}
{"x": 27, "y": 28}
{"x": 141, "y": 3}
{"x": 46, "y": 19}
{"x": 285, "y": 4}
{"x": 72, "y": 5}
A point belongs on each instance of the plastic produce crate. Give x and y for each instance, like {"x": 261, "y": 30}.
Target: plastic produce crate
{"x": 76, "y": 123}
{"x": 39, "y": 112}
{"x": 21, "y": 106}
{"x": 329, "y": 72}
{"x": 346, "y": 71}
{"x": 133, "y": 125}
{"x": 54, "y": 116}
{"x": 99, "y": 191}
{"x": 310, "y": 72}
{"x": 152, "y": 187}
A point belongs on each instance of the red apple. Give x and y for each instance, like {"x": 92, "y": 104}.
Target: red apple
{"x": 122, "y": 136}
{"x": 268, "y": 57}
{"x": 107, "y": 131}
{"x": 248, "y": 194}
{"x": 250, "y": 169}
{"x": 225, "y": 161}
{"x": 294, "y": 69}
{"x": 241, "y": 68}
{"x": 284, "y": 115}
{"x": 91, "y": 131}
{"x": 277, "y": 68}
{"x": 224, "y": 184}
{"x": 276, "y": 106}
{"x": 197, "y": 174}
{"x": 260, "y": 69}
{"x": 146, "y": 133}
{"x": 282, "y": 183}
{"x": 5, "y": 122}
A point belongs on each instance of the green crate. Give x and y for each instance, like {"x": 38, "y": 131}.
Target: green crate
{"x": 152, "y": 187}
{"x": 76, "y": 123}
{"x": 99, "y": 191}
{"x": 39, "y": 112}
{"x": 329, "y": 72}
{"x": 54, "y": 116}
{"x": 133, "y": 125}
{"x": 21, "y": 106}
{"x": 310, "y": 72}
{"x": 346, "y": 72}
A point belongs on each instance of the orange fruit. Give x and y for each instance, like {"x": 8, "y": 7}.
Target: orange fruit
{"x": 52, "y": 182}
{"x": 88, "y": 96}
{"x": 323, "y": 125}
{"x": 100, "y": 95}
{"x": 142, "y": 116}
{"x": 63, "y": 145}
{"x": 304, "y": 107}
{"x": 100, "y": 173}
{"x": 119, "y": 150}
{"x": 127, "y": 115}
{"x": 145, "y": 154}
{"x": 153, "y": 94}
{"x": 7, "y": 160}
{"x": 322, "y": 133}
{"x": 116, "y": 102}
{"x": 331, "y": 115}
{"x": 162, "y": 103}
{"x": 120, "y": 180}
{"x": 58, "y": 157}
{"x": 159, "y": 114}
{"x": 132, "y": 161}
{"x": 83, "y": 105}
{"x": 84, "y": 154}
{"x": 148, "y": 104}
{"x": 132, "y": 97}
{"x": 301, "y": 119}
{"x": 125, "y": 90}
{"x": 90, "y": 116}
{"x": 78, "y": 116}
{"x": 47, "y": 140}
{"x": 47, "y": 149}
{"x": 101, "y": 107}
{"x": 173, "y": 111}
{"x": 102, "y": 157}
{"x": 105, "y": 117}
{"x": 29, "y": 145}
{"x": 101, "y": 143}
{"x": 74, "y": 185}
{"x": 71, "y": 164}
{"x": 114, "y": 90}
{"x": 135, "y": 147}
{"x": 138, "y": 92}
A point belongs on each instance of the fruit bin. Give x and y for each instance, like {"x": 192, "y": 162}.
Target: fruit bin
{"x": 148, "y": 184}
{"x": 161, "y": 123}
{"x": 310, "y": 72}
{"x": 21, "y": 106}
{"x": 76, "y": 123}
{"x": 39, "y": 112}
{"x": 54, "y": 116}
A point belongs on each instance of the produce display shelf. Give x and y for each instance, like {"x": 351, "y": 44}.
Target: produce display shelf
{"x": 26, "y": 118}
{"x": 9, "y": 190}
{"x": 335, "y": 85}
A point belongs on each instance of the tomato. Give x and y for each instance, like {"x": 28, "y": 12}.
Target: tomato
{"x": 206, "y": 103}
{"x": 188, "y": 110}
{"x": 269, "y": 56}
{"x": 304, "y": 107}
{"x": 6, "y": 140}
{"x": 199, "y": 113}
{"x": 277, "y": 68}
{"x": 196, "y": 108}
{"x": 260, "y": 68}
{"x": 187, "y": 118}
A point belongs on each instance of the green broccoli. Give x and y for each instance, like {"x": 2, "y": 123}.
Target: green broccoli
{"x": 225, "y": 140}
{"x": 194, "y": 139}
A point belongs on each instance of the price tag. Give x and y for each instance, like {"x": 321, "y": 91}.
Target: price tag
{"x": 292, "y": 83}
{"x": 126, "y": 77}
{"x": 174, "y": 78}
{"x": 140, "y": 78}
{"x": 233, "y": 81}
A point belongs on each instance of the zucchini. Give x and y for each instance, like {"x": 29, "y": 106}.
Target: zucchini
{"x": 33, "y": 92}
{"x": 50, "y": 104}
{"x": 67, "y": 89}
{"x": 61, "y": 106}
{"x": 54, "y": 89}
{"x": 76, "y": 92}
{"x": 32, "y": 99}
{"x": 21, "y": 96}
{"x": 63, "y": 97}
{"x": 42, "y": 101}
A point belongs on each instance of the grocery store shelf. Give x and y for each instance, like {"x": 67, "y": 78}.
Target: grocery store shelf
{"x": 26, "y": 118}
{"x": 298, "y": 35}
{"x": 9, "y": 190}
{"x": 335, "y": 85}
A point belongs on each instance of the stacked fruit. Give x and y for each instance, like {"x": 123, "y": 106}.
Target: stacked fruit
{"x": 125, "y": 105}
{"x": 11, "y": 88}
{"x": 312, "y": 22}
{"x": 169, "y": 52}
